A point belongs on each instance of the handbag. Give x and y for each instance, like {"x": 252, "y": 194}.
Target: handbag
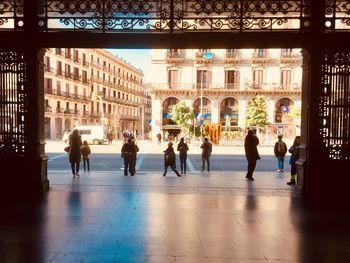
{"x": 67, "y": 149}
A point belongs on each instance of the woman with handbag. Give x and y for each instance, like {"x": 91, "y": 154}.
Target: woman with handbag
{"x": 294, "y": 150}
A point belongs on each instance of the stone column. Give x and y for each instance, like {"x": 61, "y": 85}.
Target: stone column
{"x": 157, "y": 118}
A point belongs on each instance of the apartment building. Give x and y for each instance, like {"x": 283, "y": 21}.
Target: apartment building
{"x": 92, "y": 86}
{"x": 219, "y": 84}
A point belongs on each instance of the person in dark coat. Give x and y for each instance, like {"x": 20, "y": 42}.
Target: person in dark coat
{"x": 251, "y": 152}
{"x": 206, "y": 153}
{"x": 280, "y": 150}
{"x": 133, "y": 158}
{"x": 128, "y": 153}
{"x": 75, "y": 152}
{"x": 170, "y": 160}
{"x": 294, "y": 150}
{"x": 182, "y": 147}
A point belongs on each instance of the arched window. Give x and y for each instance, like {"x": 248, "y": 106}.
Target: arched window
{"x": 206, "y": 110}
{"x": 229, "y": 113}
{"x": 283, "y": 107}
{"x": 167, "y": 110}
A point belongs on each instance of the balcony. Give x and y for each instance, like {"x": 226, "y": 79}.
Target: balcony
{"x": 76, "y": 77}
{"x": 59, "y": 110}
{"x": 85, "y": 63}
{"x": 68, "y": 56}
{"x": 69, "y": 111}
{"x": 60, "y": 72}
{"x": 77, "y": 60}
{"x": 95, "y": 114}
{"x": 96, "y": 64}
{"x": 85, "y": 81}
{"x": 233, "y": 57}
{"x": 174, "y": 57}
{"x": 204, "y": 57}
{"x": 47, "y": 109}
{"x": 49, "y": 69}
{"x": 58, "y": 51}
{"x": 68, "y": 75}
{"x": 260, "y": 57}
{"x": 94, "y": 78}
{"x": 129, "y": 117}
{"x": 290, "y": 58}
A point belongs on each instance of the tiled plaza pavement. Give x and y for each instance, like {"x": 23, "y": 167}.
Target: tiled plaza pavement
{"x": 220, "y": 217}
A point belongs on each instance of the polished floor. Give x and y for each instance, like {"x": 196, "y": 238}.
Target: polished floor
{"x": 216, "y": 217}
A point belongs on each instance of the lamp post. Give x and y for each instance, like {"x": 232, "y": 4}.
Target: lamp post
{"x": 201, "y": 109}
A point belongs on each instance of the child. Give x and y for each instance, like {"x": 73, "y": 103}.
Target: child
{"x": 85, "y": 151}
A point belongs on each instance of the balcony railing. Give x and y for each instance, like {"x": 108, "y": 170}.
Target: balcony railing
{"x": 59, "y": 110}
{"x": 95, "y": 114}
{"x": 76, "y": 77}
{"x": 49, "y": 69}
{"x": 48, "y": 109}
{"x": 66, "y": 94}
{"x": 68, "y": 75}
{"x": 218, "y": 86}
{"x": 85, "y": 63}
{"x": 60, "y": 72}
{"x": 77, "y": 60}
{"x": 69, "y": 111}
{"x": 96, "y": 64}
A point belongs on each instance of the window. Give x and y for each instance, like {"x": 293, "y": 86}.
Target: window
{"x": 232, "y": 79}
{"x": 67, "y": 88}
{"x": 173, "y": 78}
{"x": 257, "y": 78}
{"x": 286, "y": 76}
{"x": 203, "y": 78}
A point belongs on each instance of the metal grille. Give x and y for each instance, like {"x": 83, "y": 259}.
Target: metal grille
{"x": 174, "y": 15}
{"x": 11, "y": 15}
{"x": 337, "y": 15}
{"x": 13, "y": 106}
{"x": 335, "y": 105}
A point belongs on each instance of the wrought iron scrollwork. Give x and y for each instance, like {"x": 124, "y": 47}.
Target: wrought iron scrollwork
{"x": 13, "y": 103}
{"x": 173, "y": 15}
{"x": 11, "y": 14}
{"x": 334, "y": 105}
{"x": 337, "y": 15}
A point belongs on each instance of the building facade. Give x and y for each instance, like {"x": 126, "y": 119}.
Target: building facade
{"x": 220, "y": 83}
{"x": 92, "y": 86}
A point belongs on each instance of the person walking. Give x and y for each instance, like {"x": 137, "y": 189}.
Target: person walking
{"x": 74, "y": 152}
{"x": 85, "y": 151}
{"x": 127, "y": 152}
{"x": 133, "y": 157}
{"x": 294, "y": 150}
{"x": 170, "y": 160}
{"x": 182, "y": 147}
{"x": 159, "y": 138}
{"x": 206, "y": 153}
{"x": 280, "y": 150}
{"x": 251, "y": 143}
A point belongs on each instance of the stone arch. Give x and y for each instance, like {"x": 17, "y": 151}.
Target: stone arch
{"x": 167, "y": 105}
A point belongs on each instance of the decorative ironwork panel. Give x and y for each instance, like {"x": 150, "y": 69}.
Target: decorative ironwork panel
{"x": 334, "y": 104}
{"x": 337, "y": 15}
{"x": 174, "y": 15}
{"x": 13, "y": 103}
{"x": 11, "y": 15}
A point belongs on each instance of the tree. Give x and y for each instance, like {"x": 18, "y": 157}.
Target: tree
{"x": 295, "y": 113}
{"x": 183, "y": 115}
{"x": 257, "y": 112}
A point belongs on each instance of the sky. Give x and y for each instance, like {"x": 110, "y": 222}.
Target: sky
{"x": 139, "y": 58}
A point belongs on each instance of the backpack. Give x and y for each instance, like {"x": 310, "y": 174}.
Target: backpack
{"x": 280, "y": 147}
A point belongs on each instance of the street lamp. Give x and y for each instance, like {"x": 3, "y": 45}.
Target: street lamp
{"x": 94, "y": 95}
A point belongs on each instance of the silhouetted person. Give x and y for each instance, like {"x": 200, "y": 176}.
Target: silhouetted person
{"x": 251, "y": 143}
{"x": 280, "y": 150}
{"x": 133, "y": 158}
{"x": 206, "y": 153}
{"x": 170, "y": 160}
{"x": 85, "y": 152}
{"x": 128, "y": 153}
{"x": 294, "y": 150}
{"x": 182, "y": 147}
{"x": 74, "y": 151}
{"x": 159, "y": 138}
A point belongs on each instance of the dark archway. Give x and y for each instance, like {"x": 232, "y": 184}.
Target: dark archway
{"x": 283, "y": 108}
{"x": 204, "y": 108}
{"x": 229, "y": 113}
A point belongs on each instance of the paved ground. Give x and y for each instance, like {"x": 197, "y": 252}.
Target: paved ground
{"x": 150, "y": 158}
{"x": 104, "y": 217}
